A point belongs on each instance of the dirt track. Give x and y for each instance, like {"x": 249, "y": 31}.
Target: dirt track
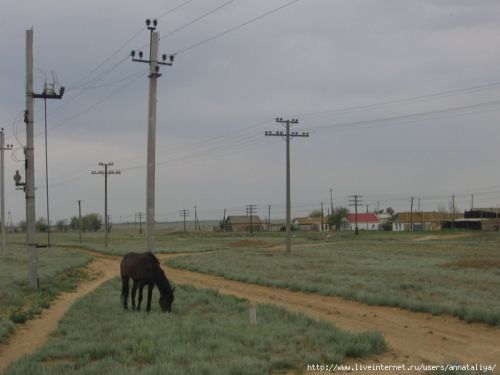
{"x": 414, "y": 338}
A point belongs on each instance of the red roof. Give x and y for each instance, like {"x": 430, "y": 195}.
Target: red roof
{"x": 363, "y": 218}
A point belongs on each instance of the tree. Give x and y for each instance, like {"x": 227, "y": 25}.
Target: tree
{"x": 22, "y": 226}
{"x": 390, "y": 211}
{"x": 61, "y": 225}
{"x": 74, "y": 223}
{"x": 92, "y": 222}
{"x": 316, "y": 213}
{"x": 41, "y": 225}
{"x": 338, "y": 214}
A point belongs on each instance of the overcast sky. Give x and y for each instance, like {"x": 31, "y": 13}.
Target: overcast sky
{"x": 401, "y": 99}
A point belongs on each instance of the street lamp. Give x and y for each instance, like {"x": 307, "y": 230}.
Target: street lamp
{"x": 49, "y": 92}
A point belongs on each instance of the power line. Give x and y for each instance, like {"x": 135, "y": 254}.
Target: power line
{"x": 234, "y": 28}
{"x": 197, "y": 19}
{"x": 447, "y": 112}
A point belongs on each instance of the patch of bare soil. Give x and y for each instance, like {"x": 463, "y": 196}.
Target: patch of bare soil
{"x": 247, "y": 243}
{"x": 443, "y": 237}
{"x": 473, "y": 263}
{"x": 414, "y": 338}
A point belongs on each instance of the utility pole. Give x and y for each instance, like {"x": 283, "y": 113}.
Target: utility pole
{"x": 411, "y": 214}
{"x": 322, "y": 218}
{"x": 184, "y": 213}
{"x": 139, "y": 216}
{"x": 196, "y": 222}
{"x": 3, "y": 147}
{"x": 224, "y": 221}
{"x": 80, "y": 221}
{"x": 453, "y": 210}
{"x": 331, "y": 201}
{"x": 29, "y": 153}
{"x": 250, "y": 211}
{"x": 48, "y": 93}
{"x": 472, "y": 201}
{"x": 287, "y": 136}
{"x": 151, "y": 160}
{"x": 269, "y": 218}
{"x": 106, "y": 172}
{"x": 355, "y": 200}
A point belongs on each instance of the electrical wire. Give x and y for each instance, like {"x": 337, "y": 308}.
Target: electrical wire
{"x": 234, "y": 28}
{"x": 102, "y": 100}
{"x": 444, "y": 113}
{"x": 197, "y": 19}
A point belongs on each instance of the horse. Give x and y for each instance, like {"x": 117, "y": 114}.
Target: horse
{"x": 144, "y": 269}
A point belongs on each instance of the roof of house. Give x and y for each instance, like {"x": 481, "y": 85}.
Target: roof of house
{"x": 426, "y": 216}
{"x": 243, "y": 220}
{"x": 309, "y": 220}
{"x": 363, "y": 218}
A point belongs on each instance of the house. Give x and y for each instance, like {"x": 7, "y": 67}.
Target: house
{"x": 367, "y": 221}
{"x": 243, "y": 224}
{"x": 422, "y": 220}
{"x": 310, "y": 223}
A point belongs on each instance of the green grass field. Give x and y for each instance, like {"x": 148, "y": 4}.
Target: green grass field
{"x": 58, "y": 272}
{"x": 439, "y": 274}
{"x": 205, "y": 334}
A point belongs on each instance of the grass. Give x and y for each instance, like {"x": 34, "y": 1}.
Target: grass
{"x": 443, "y": 275}
{"x": 205, "y": 334}
{"x": 59, "y": 271}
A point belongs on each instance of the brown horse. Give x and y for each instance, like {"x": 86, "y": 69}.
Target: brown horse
{"x": 144, "y": 269}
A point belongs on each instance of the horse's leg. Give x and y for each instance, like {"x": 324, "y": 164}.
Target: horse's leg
{"x": 141, "y": 287}
{"x": 150, "y": 294}
{"x": 134, "y": 290}
{"x": 125, "y": 287}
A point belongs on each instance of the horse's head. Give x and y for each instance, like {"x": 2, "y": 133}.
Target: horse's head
{"x": 166, "y": 300}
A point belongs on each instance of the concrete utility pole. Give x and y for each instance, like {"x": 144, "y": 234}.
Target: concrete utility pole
{"x": 106, "y": 172}
{"x": 80, "y": 221}
{"x": 453, "y": 210}
{"x": 287, "y": 136}
{"x": 48, "y": 93}
{"x": 3, "y": 147}
{"x": 355, "y": 200}
{"x": 29, "y": 153}
{"x": 151, "y": 163}
{"x": 184, "y": 213}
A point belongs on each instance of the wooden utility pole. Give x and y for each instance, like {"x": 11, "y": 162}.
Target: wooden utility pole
{"x": 250, "y": 211}
{"x": 331, "y": 201}
{"x": 184, "y": 213}
{"x": 151, "y": 159}
{"x": 453, "y": 210}
{"x": 80, "y": 221}
{"x": 269, "y": 218}
{"x": 287, "y": 136}
{"x": 3, "y": 148}
{"x": 355, "y": 200}
{"x": 106, "y": 172}
{"x": 411, "y": 214}
{"x": 322, "y": 218}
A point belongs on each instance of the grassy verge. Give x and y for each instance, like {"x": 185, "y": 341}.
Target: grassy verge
{"x": 205, "y": 334}
{"x": 445, "y": 275}
{"x": 59, "y": 271}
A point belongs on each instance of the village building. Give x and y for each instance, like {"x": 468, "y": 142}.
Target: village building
{"x": 243, "y": 224}
{"x": 366, "y": 221}
{"x": 311, "y": 223}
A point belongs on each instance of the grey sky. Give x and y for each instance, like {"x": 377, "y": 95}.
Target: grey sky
{"x": 217, "y": 100}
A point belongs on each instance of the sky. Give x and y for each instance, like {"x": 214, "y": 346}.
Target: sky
{"x": 400, "y": 99}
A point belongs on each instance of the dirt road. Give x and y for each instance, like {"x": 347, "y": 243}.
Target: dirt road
{"x": 414, "y": 338}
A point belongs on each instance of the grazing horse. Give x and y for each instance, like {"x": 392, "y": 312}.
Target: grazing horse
{"x": 144, "y": 269}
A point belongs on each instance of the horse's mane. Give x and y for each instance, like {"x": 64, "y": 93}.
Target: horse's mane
{"x": 153, "y": 257}
{"x": 160, "y": 279}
